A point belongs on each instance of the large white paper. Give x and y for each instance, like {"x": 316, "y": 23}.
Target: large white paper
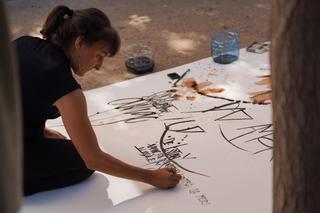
{"x": 222, "y": 147}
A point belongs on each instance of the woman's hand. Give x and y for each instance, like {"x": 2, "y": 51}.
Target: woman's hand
{"x": 50, "y": 133}
{"x": 165, "y": 178}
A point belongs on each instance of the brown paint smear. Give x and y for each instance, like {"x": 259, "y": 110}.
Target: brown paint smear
{"x": 190, "y": 98}
{"x": 264, "y": 81}
{"x": 213, "y": 90}
{"x": 189, "y": 85}
{"x": 261, "y": 97}
{"x": 202, "y": 85}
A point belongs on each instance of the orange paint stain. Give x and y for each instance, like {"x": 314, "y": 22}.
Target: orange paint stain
{"x": 265, "y": 81}
{"x": 202, "y": 85}
{"x": 189, "y": 83}
{"x": 191, "y": 98}
{"x": 261, "y": 97}
{"x": 189, "y": 86}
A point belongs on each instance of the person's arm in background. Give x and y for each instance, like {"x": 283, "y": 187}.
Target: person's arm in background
{"x": 73, "y": 110}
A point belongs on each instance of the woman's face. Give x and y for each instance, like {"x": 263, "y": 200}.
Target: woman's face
{"x": 90, "y": 56}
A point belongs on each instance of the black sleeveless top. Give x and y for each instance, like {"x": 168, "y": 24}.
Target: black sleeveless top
{"x": 45, "y": 76}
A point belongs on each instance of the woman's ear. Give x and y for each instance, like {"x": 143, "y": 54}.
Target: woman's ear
{"x": 78, "y": 42}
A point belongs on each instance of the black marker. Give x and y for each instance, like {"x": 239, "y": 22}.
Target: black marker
{"x": 175, "y": 83}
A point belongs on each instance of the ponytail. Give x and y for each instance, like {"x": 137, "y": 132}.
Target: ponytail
{"x": 55, "y": 19}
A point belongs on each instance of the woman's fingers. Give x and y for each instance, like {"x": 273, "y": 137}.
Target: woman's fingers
{"x": 173, "y": 183}
{"x": 177, "y": 177}
{"x": 172, "y": 170}
{"x": 166, "y": 178}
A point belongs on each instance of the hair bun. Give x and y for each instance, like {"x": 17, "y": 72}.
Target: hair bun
{"x": 68, "y": 14}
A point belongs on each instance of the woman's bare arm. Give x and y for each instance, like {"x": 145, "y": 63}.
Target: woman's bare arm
{"x": 73, "y": 110}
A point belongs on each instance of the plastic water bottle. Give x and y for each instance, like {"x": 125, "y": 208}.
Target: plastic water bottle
{"x": 225, "y": 47}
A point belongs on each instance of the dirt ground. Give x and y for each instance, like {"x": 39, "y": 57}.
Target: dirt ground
{"x": 179, "y": 31}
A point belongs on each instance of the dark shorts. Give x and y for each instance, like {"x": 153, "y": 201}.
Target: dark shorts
{"x": 51, "y": 164}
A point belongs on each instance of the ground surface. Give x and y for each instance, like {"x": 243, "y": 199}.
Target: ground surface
{"x": 179, "y": 31}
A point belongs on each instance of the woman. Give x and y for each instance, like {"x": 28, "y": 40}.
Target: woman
{"x": 77, "y": 40}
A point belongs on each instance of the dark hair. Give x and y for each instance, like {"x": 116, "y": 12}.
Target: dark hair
{"x": 63, "y": 25}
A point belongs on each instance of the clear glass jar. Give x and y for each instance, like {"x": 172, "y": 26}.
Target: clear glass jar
{"x": 225, "y": 47}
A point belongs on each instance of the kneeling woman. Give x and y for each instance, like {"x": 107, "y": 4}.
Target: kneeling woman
{"x": 72, "y": 40}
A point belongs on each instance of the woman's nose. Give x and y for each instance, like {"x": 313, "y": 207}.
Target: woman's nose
{"x": 99, "y": 64}
{"x": 97, "y": 67}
